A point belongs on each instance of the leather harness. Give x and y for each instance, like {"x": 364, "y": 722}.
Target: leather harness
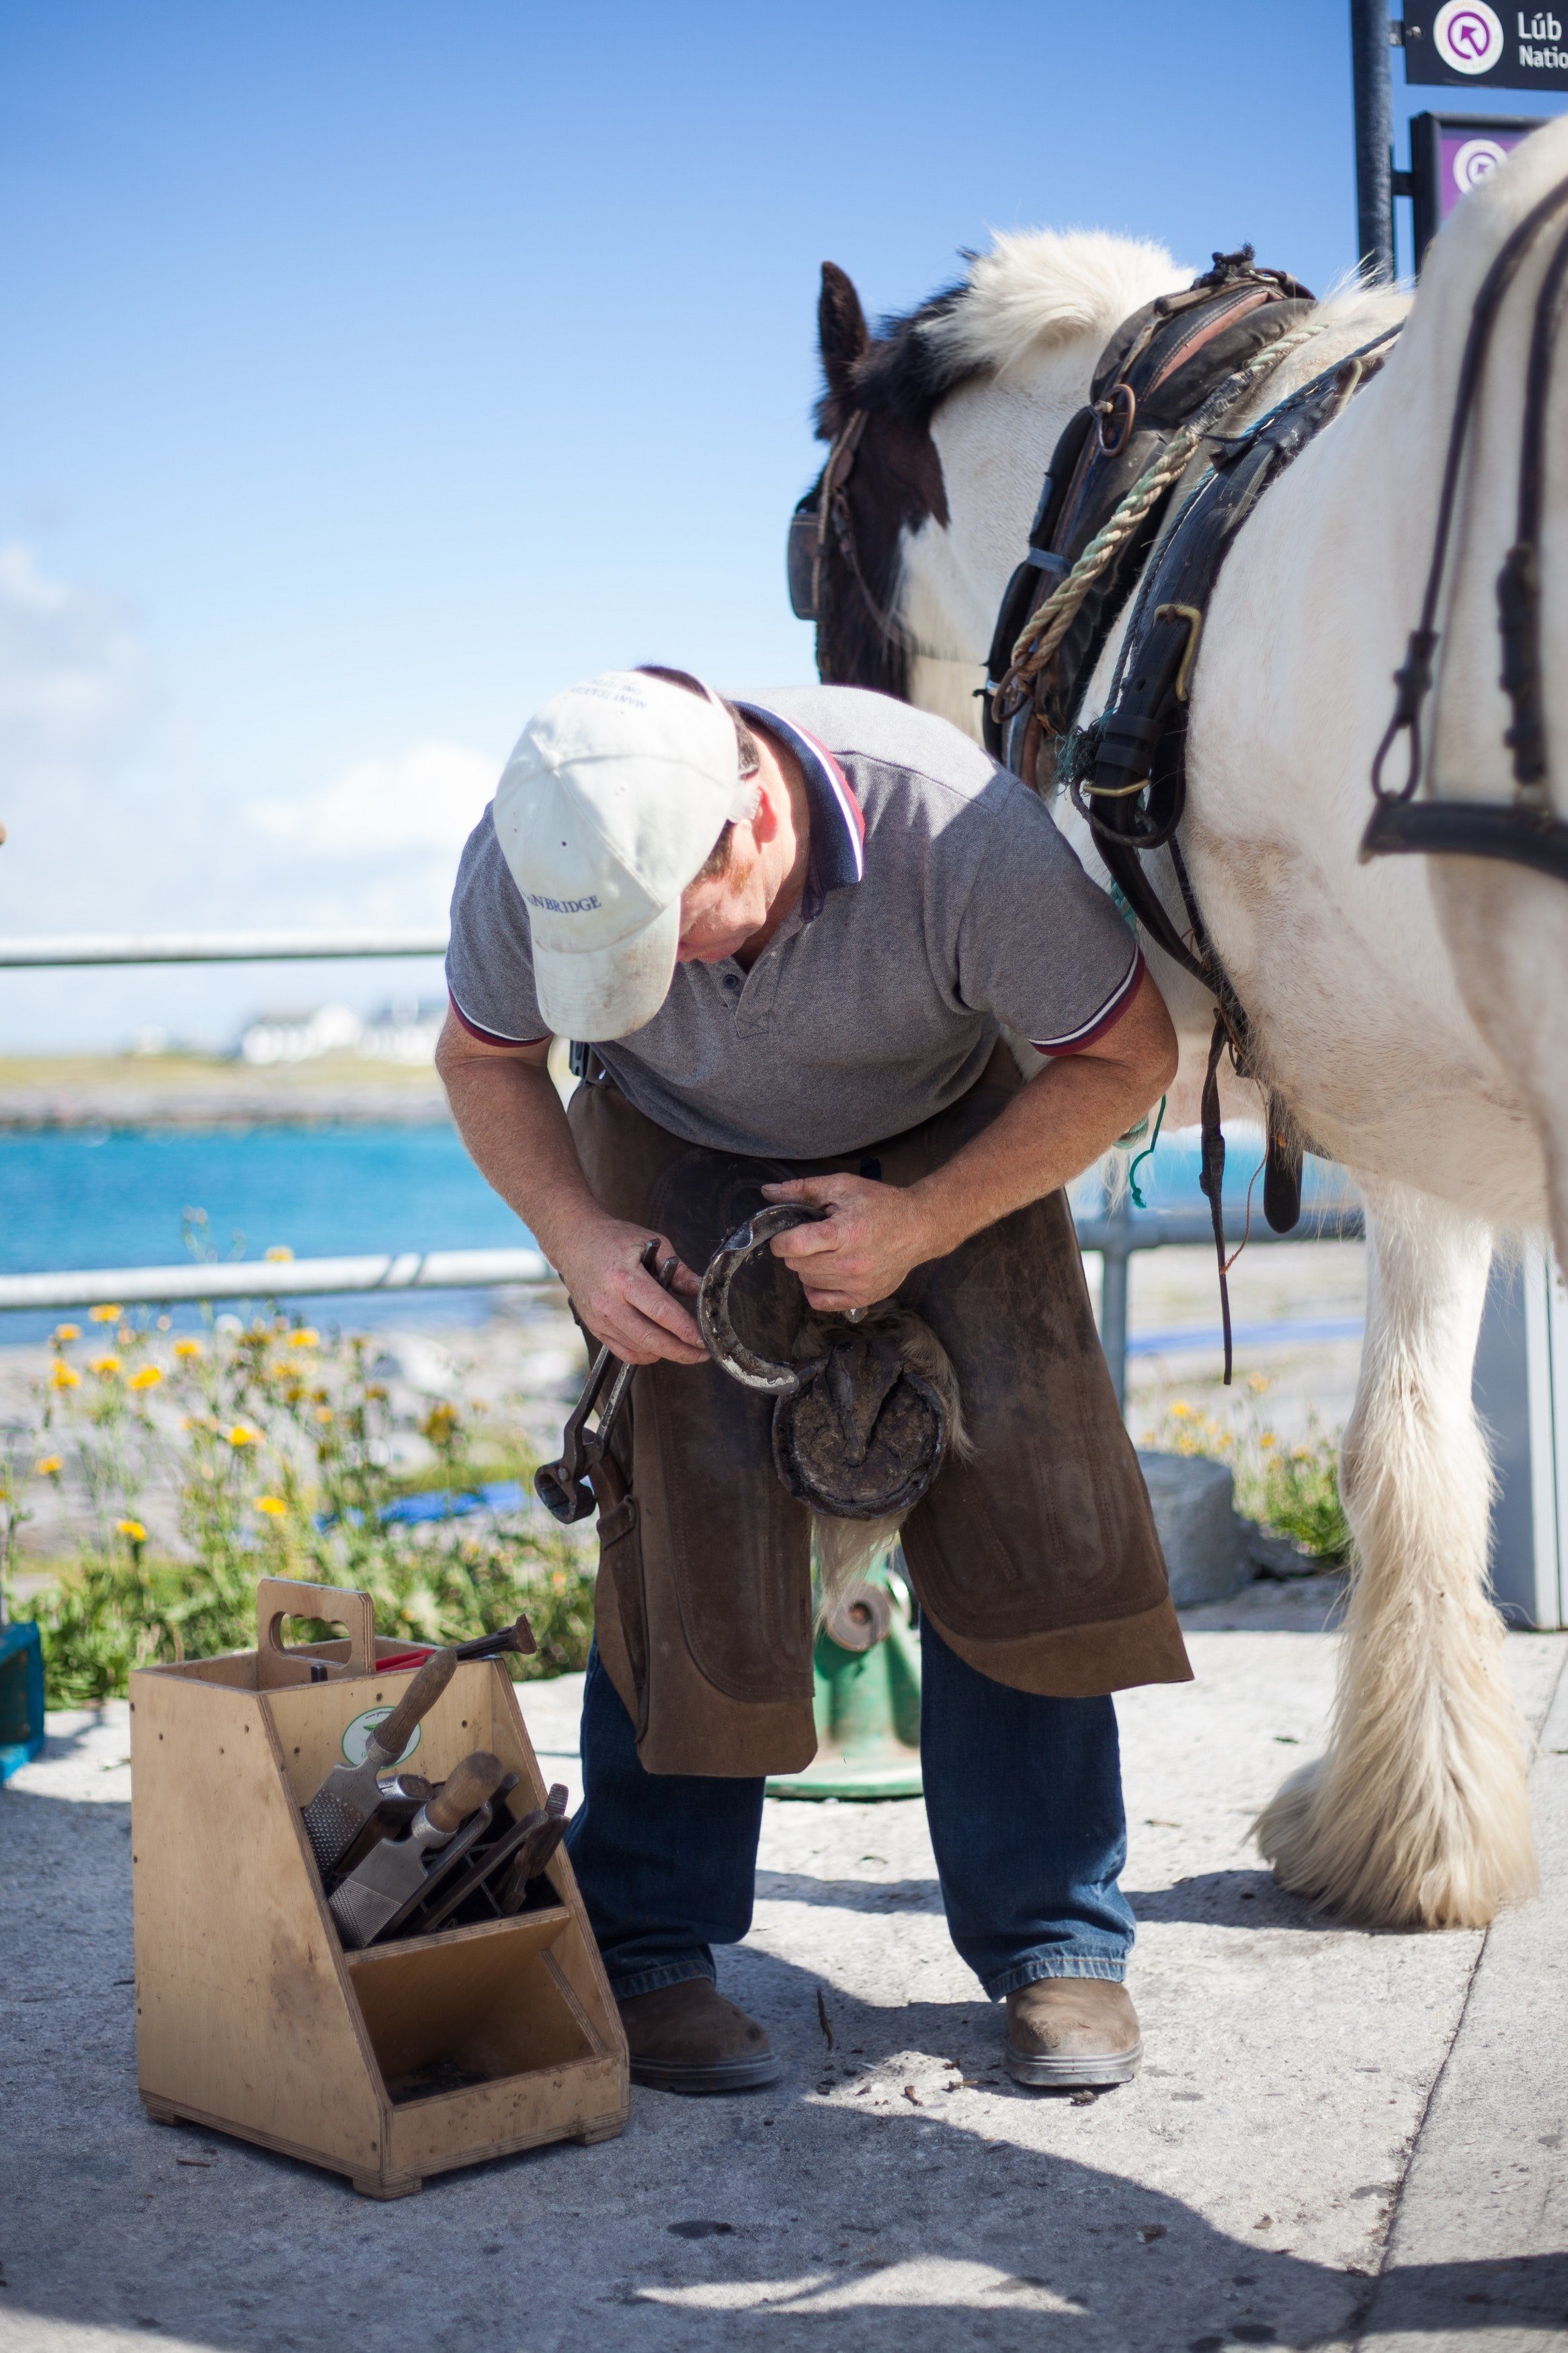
{"x": 1523, "y": 832}
{"x": 1176, "y": 365}
{"x": 1179, "y": 362}
{"x": 1165, "y": 362}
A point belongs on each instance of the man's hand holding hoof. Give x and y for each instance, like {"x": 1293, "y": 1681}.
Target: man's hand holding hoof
{"x": 861, "y": 1253}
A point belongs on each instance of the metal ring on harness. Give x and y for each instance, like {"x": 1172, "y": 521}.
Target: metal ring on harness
{"x": 864, "y": 1414}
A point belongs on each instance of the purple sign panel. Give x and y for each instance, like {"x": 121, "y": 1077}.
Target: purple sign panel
{"x": 1465, "y": 157}
{"x": 1470, "y": 43}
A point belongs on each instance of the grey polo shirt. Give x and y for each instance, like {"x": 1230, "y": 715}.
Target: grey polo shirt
{"x": 941, "y": 903}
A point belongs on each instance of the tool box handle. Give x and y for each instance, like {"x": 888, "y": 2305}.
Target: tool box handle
{"x": 278, "y": 1598}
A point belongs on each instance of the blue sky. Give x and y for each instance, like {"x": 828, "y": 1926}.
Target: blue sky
{"x": 373, "y": 370}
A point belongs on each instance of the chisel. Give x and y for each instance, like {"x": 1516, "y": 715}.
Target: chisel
{"x": 394, "y": 1874}
{"x": 350, "y": 1793}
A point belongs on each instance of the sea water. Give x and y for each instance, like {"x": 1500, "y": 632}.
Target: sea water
{"x": 121, "y": 1197}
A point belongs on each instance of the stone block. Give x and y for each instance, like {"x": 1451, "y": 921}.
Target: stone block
{"x": 1206, "y": 1541}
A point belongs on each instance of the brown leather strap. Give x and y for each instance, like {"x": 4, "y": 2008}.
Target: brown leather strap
{"x": 1211, "y": 1173}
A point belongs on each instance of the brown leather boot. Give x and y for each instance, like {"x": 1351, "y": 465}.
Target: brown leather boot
{"x": 688, "y": 2038}
{"x": 1070, "y": 2033}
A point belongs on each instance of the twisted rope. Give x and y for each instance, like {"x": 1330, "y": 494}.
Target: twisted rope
{"x": 1053, "y": 617}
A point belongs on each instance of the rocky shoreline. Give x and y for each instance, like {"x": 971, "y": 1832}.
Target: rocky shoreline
{"x": 190, "y": 1091}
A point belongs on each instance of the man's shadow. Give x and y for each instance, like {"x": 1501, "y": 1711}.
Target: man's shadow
{"x": 1245, "y": 1898}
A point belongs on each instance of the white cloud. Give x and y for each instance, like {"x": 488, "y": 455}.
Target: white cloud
{"x": 426, "y": 798}
{"x": 120, "y": 818}
{"x": 73, "y": 685}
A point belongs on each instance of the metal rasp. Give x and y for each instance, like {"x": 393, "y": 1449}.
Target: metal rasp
{"x": 394, "y": 1874}
{"x": 400, "y": 1798}
{"x": 350, "y": 1793}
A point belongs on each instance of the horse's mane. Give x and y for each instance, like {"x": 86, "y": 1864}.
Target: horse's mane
{"x": 1040, "y": 288}
{"x": 1034, "y": 289}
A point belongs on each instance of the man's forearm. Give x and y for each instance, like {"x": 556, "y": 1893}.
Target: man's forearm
{"x": 512, "y": 1120}
{"x": 510, "y": 1117}
{"x": 1053, "y": 1130}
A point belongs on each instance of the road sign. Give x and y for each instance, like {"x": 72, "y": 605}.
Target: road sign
{"x": 1476, "y": 46}
{"x": 1452, "y": 153}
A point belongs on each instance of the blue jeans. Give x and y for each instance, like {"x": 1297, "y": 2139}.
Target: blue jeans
{"x": 1024, "y": 1799}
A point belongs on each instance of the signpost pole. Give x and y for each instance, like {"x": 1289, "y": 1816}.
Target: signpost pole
{"x": 1373, "y": 138}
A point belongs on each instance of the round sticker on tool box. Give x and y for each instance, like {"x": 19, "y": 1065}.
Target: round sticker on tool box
{"x": 356, "y": 1735}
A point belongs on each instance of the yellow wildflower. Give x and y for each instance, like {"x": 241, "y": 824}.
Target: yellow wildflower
{"x": 280, "y": 1254}
{"x": 303, "y": 1338}
{"x": 104, "y": 1315}
{"x": 64, "y": 1332}
{"x": 133, "y": 1529}
{"x": 1268, "y": 1438}
{"x": 147, "y": 1378}
{"x": 240, "y": 1436}
{"x": 323, "y": 1413}
{"x": 1181, "y": 1411}
{"x": 273, "y": 1506}
{"x": 49, "y": 1467}
{"x": 284, "y": 1368}
{"x": 188, "y": 1347}
{"x": 64, "y": 1377}
{"x": 106, "y": 1366}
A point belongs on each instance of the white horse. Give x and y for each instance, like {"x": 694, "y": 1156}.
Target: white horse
{"x": 1402, "y": 1009}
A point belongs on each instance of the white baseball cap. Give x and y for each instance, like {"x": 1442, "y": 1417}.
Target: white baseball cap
{"x": 609, "y": 806}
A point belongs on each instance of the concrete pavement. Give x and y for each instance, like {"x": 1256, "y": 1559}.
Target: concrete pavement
{"x": 1338, "y": 2140}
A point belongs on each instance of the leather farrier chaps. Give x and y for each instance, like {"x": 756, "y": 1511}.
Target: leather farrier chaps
{"x": 1037, "y": 1557}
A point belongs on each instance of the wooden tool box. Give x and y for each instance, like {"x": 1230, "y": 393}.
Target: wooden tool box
{"x": 252, "y": 2019}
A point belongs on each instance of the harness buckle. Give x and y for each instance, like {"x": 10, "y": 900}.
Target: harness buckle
{"x": 1118, "y": 412}
{"x": 1192, "y": 616}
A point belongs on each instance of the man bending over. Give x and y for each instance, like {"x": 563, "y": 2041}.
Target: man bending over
{"x": 795, "y": 932}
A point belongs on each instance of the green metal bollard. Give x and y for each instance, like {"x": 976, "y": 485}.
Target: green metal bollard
{"x": 867, "y": 1672}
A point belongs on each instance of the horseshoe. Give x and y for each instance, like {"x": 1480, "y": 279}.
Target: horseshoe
{"x": 726, "y": 1347}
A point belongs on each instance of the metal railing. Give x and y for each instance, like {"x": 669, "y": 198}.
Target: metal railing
{"x": 1117, "y": 1232}
{"x": 1114, "y": 1237}
{"x": 213, "y": 947}
{"x": 289, "y": 1278}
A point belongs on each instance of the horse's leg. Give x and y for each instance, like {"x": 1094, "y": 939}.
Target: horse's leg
{"x": 1417, "y": 1815}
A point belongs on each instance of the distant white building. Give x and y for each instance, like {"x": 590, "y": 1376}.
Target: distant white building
{"x": 404, "y": 1030}
{"x": 300, "y": 1037}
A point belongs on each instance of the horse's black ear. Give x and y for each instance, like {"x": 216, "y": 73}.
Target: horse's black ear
{"x": 841, "y": 330}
